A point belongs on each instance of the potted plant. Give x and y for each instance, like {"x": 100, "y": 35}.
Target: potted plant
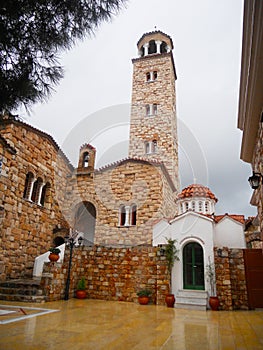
{"x": 144, "y": 296}
{"x": 171, "y": 254}
{"x": 54, "y": 254}
{"x": 210, "y": 274}
{"x": 81, "y": 289}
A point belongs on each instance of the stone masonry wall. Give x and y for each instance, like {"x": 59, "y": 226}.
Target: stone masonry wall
{"x": 257, "y": 165}
{"x": 111, "y": 274}
{"x": 127, "y": 183}
{"x": 231, "y": 279}
{"x": 26, "y": 228}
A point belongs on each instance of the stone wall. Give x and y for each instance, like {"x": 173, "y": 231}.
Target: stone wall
{"x": 125, "y": 183}
{"x": 257, "y": 166}
{"x": 231, "y": 279}
{"x": 111, "y": 273}
{"x": 26, "y": 228}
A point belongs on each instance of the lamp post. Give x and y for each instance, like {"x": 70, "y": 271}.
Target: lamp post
{"x": 71, "y": 242}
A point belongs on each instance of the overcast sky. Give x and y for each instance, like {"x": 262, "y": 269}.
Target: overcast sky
{"x": 96, "y": 91}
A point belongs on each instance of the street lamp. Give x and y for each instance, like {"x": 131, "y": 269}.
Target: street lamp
{"x": 70, "y": 241}
{"x": 254, "y": 180}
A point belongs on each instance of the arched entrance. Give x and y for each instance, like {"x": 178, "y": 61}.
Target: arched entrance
{"x": 193, "y": 263}
{"x": 85, "y": 220}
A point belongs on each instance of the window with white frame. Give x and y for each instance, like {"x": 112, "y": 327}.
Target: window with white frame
{"x": 151, "y": 76}
{"x": 128, "y": 215}
{"x": 35, "y": 190}
{"x": 151, "y": 109}
{"x": 151, "y": 147}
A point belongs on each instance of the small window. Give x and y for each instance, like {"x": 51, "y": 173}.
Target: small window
{"x": 206, "y": 207}
{"x": 147, "y": 147}
{"x": 44, "y": 193}
{"x": 148, "y": 110}
{"x": 148, "y": 76}
{"x": 36, "y": 190}
{"x": 154, "y": 109}
{"x": 154, "y": 146}
{"x": 200, "y": 206}
{"x": 152, "y": 47}
{"x": 186, "y": 206}
{"x": 193, "y": 205}
{"x": 155, "y": 75}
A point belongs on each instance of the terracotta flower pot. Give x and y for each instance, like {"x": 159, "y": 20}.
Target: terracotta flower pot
{"x": 214, "y": 303}
{"x": 81, "y": 294}
{"x": 53, "y": 257}
{"x": 170, "y": 300}
{"x": 143, "y": 300}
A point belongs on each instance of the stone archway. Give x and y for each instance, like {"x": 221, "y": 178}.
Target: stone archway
{"x": 85, "y": 221}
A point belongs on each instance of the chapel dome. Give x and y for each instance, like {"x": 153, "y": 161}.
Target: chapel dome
{"x": 196, "y": 190}
{"x": 197, "y": 198}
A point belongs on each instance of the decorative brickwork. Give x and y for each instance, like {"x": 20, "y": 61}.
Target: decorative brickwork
{"x": 111, "y": 274}
{"x": 231, "y": 279}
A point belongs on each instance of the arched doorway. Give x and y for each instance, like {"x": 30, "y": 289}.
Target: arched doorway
{"x": 193, "y": 263}
{"x": 85, "y": 221}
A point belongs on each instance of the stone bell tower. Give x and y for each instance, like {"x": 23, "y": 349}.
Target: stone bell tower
{"x": 153, "y": 124}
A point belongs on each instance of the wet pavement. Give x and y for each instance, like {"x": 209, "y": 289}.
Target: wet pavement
{"x": 96, "y": 324}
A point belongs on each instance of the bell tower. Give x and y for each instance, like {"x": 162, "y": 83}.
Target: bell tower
{"x": 153, "y": 124}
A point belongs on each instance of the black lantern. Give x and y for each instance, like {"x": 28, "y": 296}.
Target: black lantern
{"x": 254, "y": 180}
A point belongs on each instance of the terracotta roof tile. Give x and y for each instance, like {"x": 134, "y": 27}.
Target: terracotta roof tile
{"x": 196, "y": 190}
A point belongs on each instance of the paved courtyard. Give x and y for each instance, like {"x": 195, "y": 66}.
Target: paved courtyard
{"x": 95, "y": 324}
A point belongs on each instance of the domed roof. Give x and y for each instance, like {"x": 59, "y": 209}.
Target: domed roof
{"x": 196, "y": 190}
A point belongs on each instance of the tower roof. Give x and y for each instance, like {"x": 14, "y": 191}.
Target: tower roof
{"x": 156, "y": 34}
{"x": 196, "y": 190}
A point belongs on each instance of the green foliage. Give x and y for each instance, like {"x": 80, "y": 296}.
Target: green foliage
{"x": 54, "y": 250}
{"x": 32, "y": 36}
{"x": 81, "y": 284}
{"x": 144, "y": 293}
{"x": 171, "y": 253}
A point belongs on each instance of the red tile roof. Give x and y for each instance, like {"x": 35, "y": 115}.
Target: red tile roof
{"x": 236, "y": 217}
{"x": 196, "y": 190}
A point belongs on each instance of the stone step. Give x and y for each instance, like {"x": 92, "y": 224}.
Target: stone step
{"x": 28, "y": 290}
{"x": 191, "y": 299}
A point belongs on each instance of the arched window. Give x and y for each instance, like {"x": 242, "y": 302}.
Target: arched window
{"x": 206, "y": 207}
{"x": 122, "y": 215}
{"x": 36, "y": 190}
{"x": 152, "y": 47}
{"x": 85, "y": 159}
{"x": 163, "y": 47}
{"x": 154, "y": 112}
{"x": 200, "y": 206}
{"x": 148, "y": 76}
{"x": 133, "y": 214}
{"x": 186, "y": 205}
{"x": 44, "y": 193}
{"x": 193, "y": 205}
{"x": 154, "y": 146}
{"x": 148, "y": 110}
{"x": 28, "y": 185}
{"x": 181, "y": 207}
{"x": 155, "y": 75}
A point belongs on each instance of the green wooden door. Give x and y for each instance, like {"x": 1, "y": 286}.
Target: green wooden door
{"x": 193, "y": 261}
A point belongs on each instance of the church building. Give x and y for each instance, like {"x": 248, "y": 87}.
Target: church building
{"x": 133, "y": 202}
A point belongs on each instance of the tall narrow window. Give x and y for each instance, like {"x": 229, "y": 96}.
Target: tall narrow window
{"x": 122, "y": 214}
{"x": 147, "y": 147}
{"x": 193, "y": 205}
{"x": 28, "y": 185}
{"x": 36, "y": 190}
{"x": 155, "y": 75}
{"x": 148, "y": 110}
{"x": 154, "y": 146}
{"x": 154, "y": 112}
{"x": 200, "y": 206}
{"x": 44, "y": 193}
{"x": 133, "y": 214}
{"x": 148, "y": 76}
{"x": 206, "y": 207}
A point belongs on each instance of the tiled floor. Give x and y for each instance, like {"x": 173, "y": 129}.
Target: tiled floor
{"x": 95, "y": 324}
